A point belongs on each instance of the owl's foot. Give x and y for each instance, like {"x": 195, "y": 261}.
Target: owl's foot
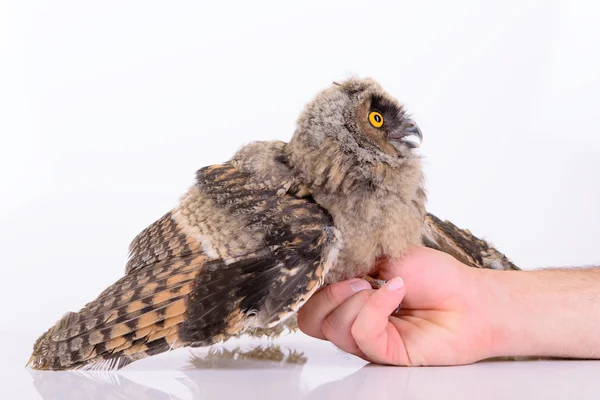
{"x": 288, "y": 326}
{"x": 375, "y": 283}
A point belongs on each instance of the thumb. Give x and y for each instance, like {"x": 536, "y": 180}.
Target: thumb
{"x": 374, "y": 334}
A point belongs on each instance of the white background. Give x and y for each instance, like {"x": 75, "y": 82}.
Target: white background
{"x": 108, "y": 108}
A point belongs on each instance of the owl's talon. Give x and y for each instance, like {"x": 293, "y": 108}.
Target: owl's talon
{"x": 375, "y": 283}
{"x": 397, "y": 310}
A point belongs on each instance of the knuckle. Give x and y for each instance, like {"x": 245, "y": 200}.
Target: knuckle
{"x": 302, "y": 323}
{"x": 334, "y": 321}
{"x": 329, "y": 295}
{"x": 364, "y": 295}
{"x": 307, "y": 324}
{"x": 327, "y": 329}
{"x": 335, "y": 294}
{"x": 357, "y": 332}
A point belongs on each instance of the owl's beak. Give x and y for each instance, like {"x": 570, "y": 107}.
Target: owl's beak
{"x": 412, "y": 129}
{"x": 408, "y": 134}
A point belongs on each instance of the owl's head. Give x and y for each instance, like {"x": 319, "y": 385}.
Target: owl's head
{"x": 362, "y": 119}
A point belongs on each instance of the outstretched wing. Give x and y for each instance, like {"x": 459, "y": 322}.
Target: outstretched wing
{"x": 236, "y": 253}
{"x": 463, "y": 245}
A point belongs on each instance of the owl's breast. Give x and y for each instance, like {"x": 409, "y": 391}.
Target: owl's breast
{"x": 371, "y": 229}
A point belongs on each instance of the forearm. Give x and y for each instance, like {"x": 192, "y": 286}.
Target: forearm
{"x": 553, "y": 312}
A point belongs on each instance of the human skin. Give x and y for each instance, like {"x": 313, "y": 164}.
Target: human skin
{"x": 453, "y": 314}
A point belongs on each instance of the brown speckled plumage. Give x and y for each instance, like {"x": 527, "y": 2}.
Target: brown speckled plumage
{"x": 463, "y": 245}
{"x": 256, "y": 236}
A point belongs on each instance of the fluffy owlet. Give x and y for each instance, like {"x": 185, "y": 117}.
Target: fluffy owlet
{"x": 256, "y": 236}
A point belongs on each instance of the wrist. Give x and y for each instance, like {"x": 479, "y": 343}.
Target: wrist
{"x": 545, "y": 313}
{"x": 521, "y": 314}
{"x": 503, "y": 299}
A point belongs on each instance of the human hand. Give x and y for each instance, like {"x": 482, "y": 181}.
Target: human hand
{"x": 443, "y": 319}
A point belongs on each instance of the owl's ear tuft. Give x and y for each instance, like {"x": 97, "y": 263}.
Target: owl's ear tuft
{"x": 336, "y": 83}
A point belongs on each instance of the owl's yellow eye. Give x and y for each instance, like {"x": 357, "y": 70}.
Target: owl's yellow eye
{"x": 376, "y": 119}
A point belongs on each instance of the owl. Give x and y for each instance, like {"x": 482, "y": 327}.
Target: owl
{"x": 256, "y": 236}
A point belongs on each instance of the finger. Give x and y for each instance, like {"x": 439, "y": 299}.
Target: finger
{"x": 321, "y": 304}
{"x": 338, "y": 325}
{"x": 372, "y": 331}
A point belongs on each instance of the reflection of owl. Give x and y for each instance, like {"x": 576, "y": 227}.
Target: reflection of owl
{"x": 256, "y": 236}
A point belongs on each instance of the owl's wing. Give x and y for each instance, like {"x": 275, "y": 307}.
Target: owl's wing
{"x": 163, "y": 240}
{"x": 221, "y": 214}
{"x": 236, "y": 253}
{"x": 463, "y": 245}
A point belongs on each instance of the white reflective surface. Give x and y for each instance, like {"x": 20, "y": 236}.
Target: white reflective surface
{"x": 327, "y": 374}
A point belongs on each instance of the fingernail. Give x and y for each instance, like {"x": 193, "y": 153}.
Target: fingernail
{"x": 395, "y": 284}
{"x": 359, "y": 285}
